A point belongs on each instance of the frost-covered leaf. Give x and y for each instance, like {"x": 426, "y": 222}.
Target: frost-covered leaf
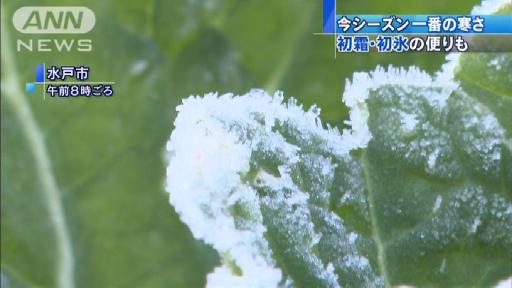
{"x": 417, "y": 192}
{"x": 269, "y": 198}
{"x": 105, "y": 154}
{"x": 438, "y": 179}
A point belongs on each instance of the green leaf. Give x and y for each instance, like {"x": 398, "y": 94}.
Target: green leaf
{"x": 82, "y": 194}
{"x": 427, "y": 201}
{"x": 104, "y": 155}
{"x": 439, "y": 178}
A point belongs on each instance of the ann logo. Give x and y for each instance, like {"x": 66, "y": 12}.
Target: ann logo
{"x": 53, "y": 20}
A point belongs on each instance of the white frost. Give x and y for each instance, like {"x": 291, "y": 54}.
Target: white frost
{"x": 432, "y": 158}
{"x": 505, "y": 283}
{"x": 443, "y": 266}
{"x": 448, "y": 69}
{"x": 437, "y": 204}
{"x": 222, "y": 277}
{"x": 204, "y": 176}
{"x": 208, "y": 153}
{"x": 496, "y": 62}
{"x": 475, "y": 225}
{"x": 202, "y": 190}
{"x": 357, "y": 90}
{"x": 489, "y": 7}
{"x": 408, "y": 121}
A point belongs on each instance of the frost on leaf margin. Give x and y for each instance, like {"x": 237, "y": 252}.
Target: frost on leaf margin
{"x": 268, "y": 187}
{"x": 249, "y": 154}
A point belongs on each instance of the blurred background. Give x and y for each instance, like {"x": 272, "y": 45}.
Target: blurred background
{"x": 106, "y": 153}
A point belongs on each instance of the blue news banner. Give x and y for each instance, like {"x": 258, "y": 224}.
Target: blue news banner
{"x": 430, "y": 33}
